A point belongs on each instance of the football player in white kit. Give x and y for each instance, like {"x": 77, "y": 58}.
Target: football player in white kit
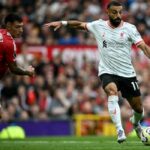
{"x": 115, "y": 38}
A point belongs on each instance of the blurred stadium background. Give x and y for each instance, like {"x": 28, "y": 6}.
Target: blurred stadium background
{"x": 65, "y": 97}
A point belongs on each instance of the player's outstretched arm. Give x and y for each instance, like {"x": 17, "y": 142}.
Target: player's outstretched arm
{"x": 145, "y": 48}
{"x": 71, "y": 24}
{"x": 29, "y": 71}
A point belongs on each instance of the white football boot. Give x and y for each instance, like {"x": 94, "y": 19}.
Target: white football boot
{"x": 121, "y": 136}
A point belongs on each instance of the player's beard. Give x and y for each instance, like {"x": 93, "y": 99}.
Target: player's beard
{"x": 115, "y": 22}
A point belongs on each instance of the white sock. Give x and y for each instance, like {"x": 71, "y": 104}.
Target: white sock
{"x": 114, "y": 111}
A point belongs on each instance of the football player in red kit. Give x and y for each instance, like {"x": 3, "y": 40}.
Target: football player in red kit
{"x": 13, "y": 28}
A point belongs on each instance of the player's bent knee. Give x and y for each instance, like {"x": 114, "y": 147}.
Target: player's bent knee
{"x": 111, "y": 91}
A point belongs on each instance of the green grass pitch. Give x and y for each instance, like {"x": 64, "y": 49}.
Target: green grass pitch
{"x": 72, "y": 143}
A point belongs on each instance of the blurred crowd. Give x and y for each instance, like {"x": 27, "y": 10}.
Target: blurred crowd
{"x": 62, "y": 89}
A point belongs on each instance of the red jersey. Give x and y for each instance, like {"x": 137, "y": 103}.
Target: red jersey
{"x": 7, "y": 51}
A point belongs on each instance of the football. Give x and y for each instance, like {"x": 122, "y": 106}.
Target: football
{"x": 145, "y": 136}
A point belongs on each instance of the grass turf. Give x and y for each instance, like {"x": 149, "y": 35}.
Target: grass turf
{"x": 72, "y": 143}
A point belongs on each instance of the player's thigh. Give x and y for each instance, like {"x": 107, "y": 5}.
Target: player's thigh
{"x": 129, "y": 87}
{"x": 109, "y": 84}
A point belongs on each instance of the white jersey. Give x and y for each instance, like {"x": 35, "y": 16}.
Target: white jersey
{"x": 114, "y": 46}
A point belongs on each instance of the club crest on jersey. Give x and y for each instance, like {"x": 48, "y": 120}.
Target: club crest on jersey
{"x": 122, "y": 34}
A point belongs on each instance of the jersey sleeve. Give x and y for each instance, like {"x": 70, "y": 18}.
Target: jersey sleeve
{"x": 10, "y": 51}
{"x": 91, "y": 26}
{"x": 135, "y": 36}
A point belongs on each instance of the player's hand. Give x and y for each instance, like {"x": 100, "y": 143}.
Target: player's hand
{"x": 56, "y": 25}
{"x": 31, "y": 71}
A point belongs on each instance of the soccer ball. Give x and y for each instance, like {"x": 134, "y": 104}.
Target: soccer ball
{"x": 145, "y": 136}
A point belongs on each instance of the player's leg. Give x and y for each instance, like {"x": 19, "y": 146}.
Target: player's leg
{"x": 114, "y": 110}
{"x": 130, "y": 90}
{"x": 138, "y": 113}
{"x": 110, "y": 87}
